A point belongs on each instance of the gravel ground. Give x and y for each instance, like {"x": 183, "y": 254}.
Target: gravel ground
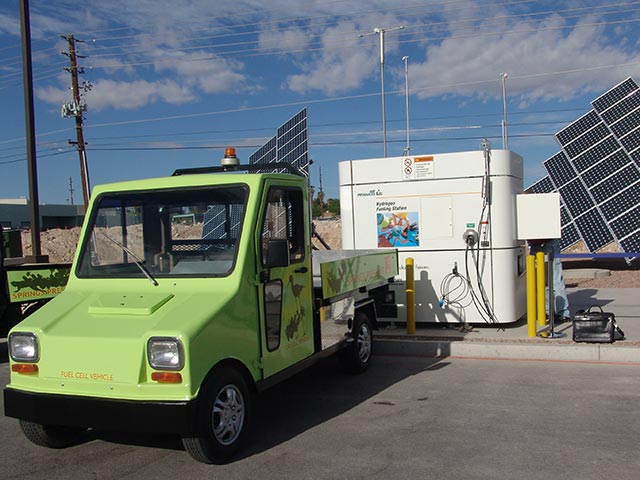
{"x": 617, "y": 279}
{"x": 60, "y": 245}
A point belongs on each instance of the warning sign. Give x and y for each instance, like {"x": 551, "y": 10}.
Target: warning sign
{"x": 417, "y": 168}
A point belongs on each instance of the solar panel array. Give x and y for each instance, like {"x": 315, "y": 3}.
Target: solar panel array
{"x": 597, "y": 173}
{"x": 289, "y": 145}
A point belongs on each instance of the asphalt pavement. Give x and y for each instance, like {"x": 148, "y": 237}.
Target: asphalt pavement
{"x": 410, "y": 417}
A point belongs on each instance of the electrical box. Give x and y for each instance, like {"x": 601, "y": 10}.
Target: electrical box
{"x": 538, "y": 216}
{"x": 455, "y": 215}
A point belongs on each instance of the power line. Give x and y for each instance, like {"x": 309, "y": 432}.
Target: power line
{"x": 340, "y": 37}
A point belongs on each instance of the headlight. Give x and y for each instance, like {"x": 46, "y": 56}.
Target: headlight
{"x": 23, "y": 347}
{"x": 165, "y": 353}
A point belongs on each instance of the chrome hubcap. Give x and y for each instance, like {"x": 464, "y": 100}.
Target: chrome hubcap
{"x": 228, "y": 415}
{"x": 364, "y": 343}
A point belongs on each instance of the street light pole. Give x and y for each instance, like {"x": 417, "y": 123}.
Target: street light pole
{"x": 505, "y": 136}
{"x": 380, "y": 32}
{"x": 406, "y": 98}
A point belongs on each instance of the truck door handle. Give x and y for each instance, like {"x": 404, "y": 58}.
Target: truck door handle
{"x": 301, "y": 270}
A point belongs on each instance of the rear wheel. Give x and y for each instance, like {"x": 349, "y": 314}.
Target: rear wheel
{"x": 223, "y": 417}
{"x": 52, "y": 436}
{"x": 356, "y": 357}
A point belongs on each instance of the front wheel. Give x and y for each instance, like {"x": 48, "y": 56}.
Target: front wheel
{"x": 356, "y": 357}
{"x": 52, "y": 436}
{"x": 223, "y": 417}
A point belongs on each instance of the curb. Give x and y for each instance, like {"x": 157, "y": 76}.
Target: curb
{"x": 596, "y": 353}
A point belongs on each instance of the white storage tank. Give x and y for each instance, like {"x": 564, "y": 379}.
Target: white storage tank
{"x": 455, "y": 215}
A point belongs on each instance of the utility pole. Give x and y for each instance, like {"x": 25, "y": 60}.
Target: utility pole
{"x": 71, "y": 190}
{"x": 75, "y": 109}
{"x": 380, "y": 32}
{"x": 25, "y": 29}
{"x": 321, "y": 192}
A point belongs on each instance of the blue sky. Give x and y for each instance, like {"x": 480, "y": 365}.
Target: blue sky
{"x": 174, "y": 82}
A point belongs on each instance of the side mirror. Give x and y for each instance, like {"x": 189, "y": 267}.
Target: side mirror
{"x": 277, "y": 253}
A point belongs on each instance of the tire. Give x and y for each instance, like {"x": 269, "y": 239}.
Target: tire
{"x": 356, "y": 357}
{"x": 223, "y": 417}
{"x": 52, "y": 436}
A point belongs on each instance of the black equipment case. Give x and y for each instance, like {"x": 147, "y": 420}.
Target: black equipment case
{"x": 596, "y": 327}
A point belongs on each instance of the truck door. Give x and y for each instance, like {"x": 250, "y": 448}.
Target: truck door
{"x": 285, "y": 291}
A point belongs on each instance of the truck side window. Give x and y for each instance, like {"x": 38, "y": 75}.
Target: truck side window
{"x": 284, "y": 218}
{"x": 273, "y": 313}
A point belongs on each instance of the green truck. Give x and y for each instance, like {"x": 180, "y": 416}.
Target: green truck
{"x": 187, "y": 296}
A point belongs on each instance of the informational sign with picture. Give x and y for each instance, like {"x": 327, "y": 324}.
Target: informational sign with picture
{"x": 398, "y": 222}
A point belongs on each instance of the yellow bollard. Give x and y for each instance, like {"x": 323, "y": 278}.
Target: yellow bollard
{"x": 411, "y": 297}
{"x": 531, "y": 296}
{"x": 540, "y": 294}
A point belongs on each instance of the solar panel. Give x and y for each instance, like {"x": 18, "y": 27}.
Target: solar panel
{"x": 627, "y": 223}
{"x": 587, "y": 140}
{"x": 620, "y": 109}
{"x": 544, "y": 185}
{"x": 560, "y": 170}
{"x": 631, "y": 244}
{"x": 290, "y": 145}
{"x": 615, "y": 183}
{"x": 595, "y": 154}
{"x": 570, "y": 236}
{"x": 599, "y": 234}
{"x": 620, "y": 203}
{"x": 597, "y": 172}
{"x": 631, "y": 141}
{"x": 266, "y": 153}
{"x": 626, "y": 124}
{"x": 578, "y": 127}
{"x": 614, "y": 95}
{"x": 576, "y": 198}
{"x": 603, "y": 169}
{"x": 565, "y": 218}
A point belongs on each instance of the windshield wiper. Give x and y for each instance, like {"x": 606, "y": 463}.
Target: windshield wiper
{"x": 138, "y": 261}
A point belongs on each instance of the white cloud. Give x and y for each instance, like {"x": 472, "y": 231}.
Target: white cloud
{"x": 208, "y": 73}
{"x": 285, "y": 39}
{"x": 532, "y": 49}
{"x": 9, "y": 25}
{"x": 122, "y": 95}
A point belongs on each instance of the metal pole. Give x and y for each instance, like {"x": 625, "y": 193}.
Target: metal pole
{"x": 505, "y": 136}
{"x": 32, "y": 166}
{"x": 384, "y": 116}
{"x": 381, "y": 32}
{"x": 406, "y": 99}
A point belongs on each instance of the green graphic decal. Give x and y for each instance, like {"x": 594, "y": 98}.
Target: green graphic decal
{"x": 351, "y": 273}
{"x": 36, "y": 284}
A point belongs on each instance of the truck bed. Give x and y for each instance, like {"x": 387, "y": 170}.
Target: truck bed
{"x": 337, "y": 272}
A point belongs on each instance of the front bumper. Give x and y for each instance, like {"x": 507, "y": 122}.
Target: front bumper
{"x": 100, "y": 413}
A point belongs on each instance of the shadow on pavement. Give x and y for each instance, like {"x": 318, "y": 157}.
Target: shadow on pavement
{"x": 584, "y": 298}
{"x": 4, "y": 352}
{"x": 301, "y": 403}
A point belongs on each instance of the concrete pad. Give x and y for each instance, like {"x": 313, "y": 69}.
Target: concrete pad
{"x": 585, "y": 273}
{"x": 510, "y": 341}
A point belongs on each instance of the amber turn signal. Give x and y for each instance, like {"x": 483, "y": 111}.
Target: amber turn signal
{"x": 24, "y": 368}
{"x": 166, "y": 377}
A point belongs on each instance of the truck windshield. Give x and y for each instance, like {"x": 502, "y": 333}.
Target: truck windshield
{"x": 164, "y": 233}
